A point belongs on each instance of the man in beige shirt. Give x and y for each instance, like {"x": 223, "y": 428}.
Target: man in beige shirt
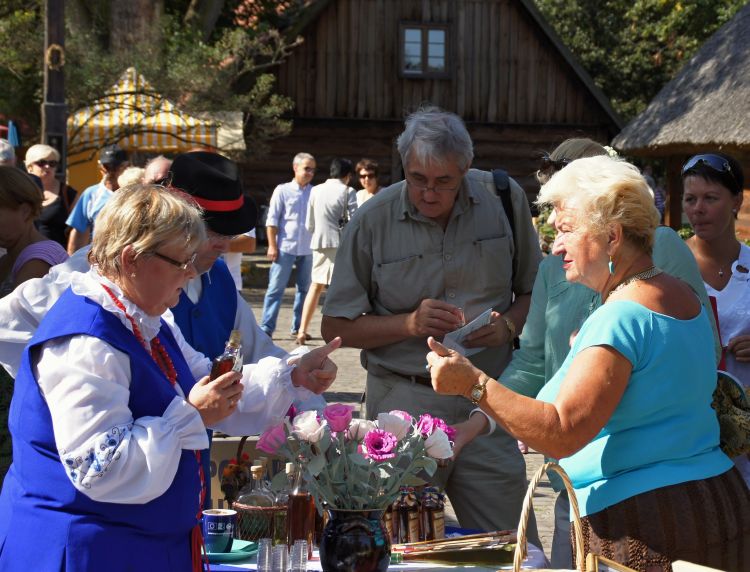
{"x": 416, "y": 259}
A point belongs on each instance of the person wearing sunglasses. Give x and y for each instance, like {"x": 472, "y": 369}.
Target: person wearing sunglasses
{"x": 367, "y": 171}
{"x": 712, "y": 197}
{"x": 112, "y": 162}
{"x": 59, "y": 197}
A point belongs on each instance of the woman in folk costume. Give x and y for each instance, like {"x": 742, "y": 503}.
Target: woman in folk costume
{"x": 111, "y": 405}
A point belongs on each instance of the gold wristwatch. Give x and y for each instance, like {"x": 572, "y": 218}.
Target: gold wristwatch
{"x": 478, "y": 390}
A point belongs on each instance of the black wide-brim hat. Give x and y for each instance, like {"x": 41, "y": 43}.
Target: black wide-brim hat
{"x": 214, "y": 183}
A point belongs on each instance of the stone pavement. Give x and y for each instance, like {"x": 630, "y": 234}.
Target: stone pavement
{"x": 350, "y": 384}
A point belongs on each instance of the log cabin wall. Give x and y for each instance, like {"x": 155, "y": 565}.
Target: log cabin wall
{"x": 504, "y": 77}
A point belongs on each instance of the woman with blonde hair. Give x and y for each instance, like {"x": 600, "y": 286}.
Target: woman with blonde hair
{"x": 42, "y": 161}
{"x": 627, "y": 415}
{"x": 29, "y": 254}
{"x": 111, "y": 405}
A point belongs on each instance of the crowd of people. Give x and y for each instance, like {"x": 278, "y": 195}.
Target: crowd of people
{"x": 581, "y": 354}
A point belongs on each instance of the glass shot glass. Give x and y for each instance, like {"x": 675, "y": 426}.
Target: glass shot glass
{"x": 280, "y": 558}
{"x": 264, "y": 555}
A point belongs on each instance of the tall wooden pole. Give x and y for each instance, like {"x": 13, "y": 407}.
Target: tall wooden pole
{"x": 54, "y": 111}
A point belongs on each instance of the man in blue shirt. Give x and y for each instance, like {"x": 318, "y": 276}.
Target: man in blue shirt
{"x": 289, "y": 243}
{"x": 112, "y": 162}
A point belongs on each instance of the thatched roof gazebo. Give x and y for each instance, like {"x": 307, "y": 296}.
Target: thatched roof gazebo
{"x": 706, "y": 107}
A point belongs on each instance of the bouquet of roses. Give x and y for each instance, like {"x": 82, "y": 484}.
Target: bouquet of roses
{"x": 356, "y": 463}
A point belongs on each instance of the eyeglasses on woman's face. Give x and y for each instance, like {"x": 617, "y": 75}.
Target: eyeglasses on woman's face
{"x": 181, "y": 265}
{"x": 547, "y": 163}
{"x": 368, "y": 176}
{"x": 44, "y": 163}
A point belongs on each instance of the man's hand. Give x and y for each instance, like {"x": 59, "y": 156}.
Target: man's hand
{"x": 495, "y": 333}
{"x": 315, "y": 371}
{"x": 467, "y": 431}
{"x": 272, "y": 253}
{"x": 434, "y": 318}
{"x": 217, "y": 399}
{"x": 740, "y": 347}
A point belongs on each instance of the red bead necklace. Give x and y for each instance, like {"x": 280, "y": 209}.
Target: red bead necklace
{"x": 161, "y": 357}
{"x": 158, "y": 352}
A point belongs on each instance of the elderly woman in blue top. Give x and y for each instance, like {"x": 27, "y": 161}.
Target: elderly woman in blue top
{"x": 108, "y": 420}
{"x": 629, "y": 412}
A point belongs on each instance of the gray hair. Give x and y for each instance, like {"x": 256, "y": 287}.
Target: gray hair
{"x": 299, "y": 157}
{"x": 7, "y": 152}
{"x": 433, "y": 135}
{"x": 144, "y": 217}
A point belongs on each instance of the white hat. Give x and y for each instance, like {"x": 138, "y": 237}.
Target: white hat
{"x": 40, "y": 151}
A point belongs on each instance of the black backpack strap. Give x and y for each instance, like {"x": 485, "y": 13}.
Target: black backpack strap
{"x": 502, "y": 188}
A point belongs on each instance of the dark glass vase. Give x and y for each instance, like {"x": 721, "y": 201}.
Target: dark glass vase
{"x": 355, "y": 541}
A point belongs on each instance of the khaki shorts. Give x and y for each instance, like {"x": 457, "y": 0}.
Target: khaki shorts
{"x": 322, "y": 267}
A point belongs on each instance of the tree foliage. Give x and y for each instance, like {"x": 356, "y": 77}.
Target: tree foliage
{"x": 199, "y": 65}
{"x": 632, "y": 48}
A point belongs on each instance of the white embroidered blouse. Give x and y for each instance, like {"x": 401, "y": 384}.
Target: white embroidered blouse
{"x": 112, "y": 457}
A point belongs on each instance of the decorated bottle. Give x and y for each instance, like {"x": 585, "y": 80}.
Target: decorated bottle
{"x": 231, "y": 359}
{"x": 300, "y": 517}
{"x": 433, "y": 514}
{"x": 408, "y": 516}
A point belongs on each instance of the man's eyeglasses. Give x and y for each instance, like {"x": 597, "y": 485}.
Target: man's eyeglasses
{"x": 181, "y": 265}
{"x": 548, "y": 163}
{"x": 422, "y": 188}
{"x": 368, "y": 176}
{"x": 52, "y": 164}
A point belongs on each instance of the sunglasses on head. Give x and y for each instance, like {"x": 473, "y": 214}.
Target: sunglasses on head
{"x": 713, "y": 162}
{"x": 547, "y": 163}
{"x": 46, "y": 163}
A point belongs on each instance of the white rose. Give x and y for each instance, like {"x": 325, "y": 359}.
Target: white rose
{"x": 307, "y": 427}
{"x": 394, "y": 424}
{"x": 358, "y": 428}
{"x": 438, "y": 446}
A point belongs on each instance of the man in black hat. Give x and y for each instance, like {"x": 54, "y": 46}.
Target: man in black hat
{"x": 112, "y": 162}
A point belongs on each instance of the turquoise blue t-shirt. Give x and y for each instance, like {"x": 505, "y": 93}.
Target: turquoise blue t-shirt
{"x": 664, "y": 431}
{"x": 87, "y": 208}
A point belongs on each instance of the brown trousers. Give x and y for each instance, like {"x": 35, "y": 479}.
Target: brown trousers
{"x": 706, "y": 522}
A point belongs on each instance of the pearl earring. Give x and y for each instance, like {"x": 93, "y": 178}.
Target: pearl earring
{"x": 132, "y": 275}
{"x": 611, "y": 266}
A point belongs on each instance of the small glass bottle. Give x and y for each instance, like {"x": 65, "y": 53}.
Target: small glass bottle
{"x": 433, "y": 514}
{"x": 231, "y": 359}
{"x": 282, "y": 504}
{"x": 300, "y": 518}
{"x": 255, "y": 493}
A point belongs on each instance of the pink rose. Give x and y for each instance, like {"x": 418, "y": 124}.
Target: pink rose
{"x": 272, "y": 439}
{"x": 338, "y": 416}
{"x": 426, "y": 424}
{"x": 449, "y": 431}
{"x": 379, "y": 445}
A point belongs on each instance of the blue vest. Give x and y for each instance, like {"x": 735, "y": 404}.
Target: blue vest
{"x": 45, "y": 522}
{"x": 207, "y": 324}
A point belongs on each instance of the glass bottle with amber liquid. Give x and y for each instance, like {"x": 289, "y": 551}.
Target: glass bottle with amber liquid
{"x": 231, "y": 359}
{"x": 300, "y": 516}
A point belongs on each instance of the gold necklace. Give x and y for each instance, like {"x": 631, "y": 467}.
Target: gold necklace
{"x": 644, "y": 275}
